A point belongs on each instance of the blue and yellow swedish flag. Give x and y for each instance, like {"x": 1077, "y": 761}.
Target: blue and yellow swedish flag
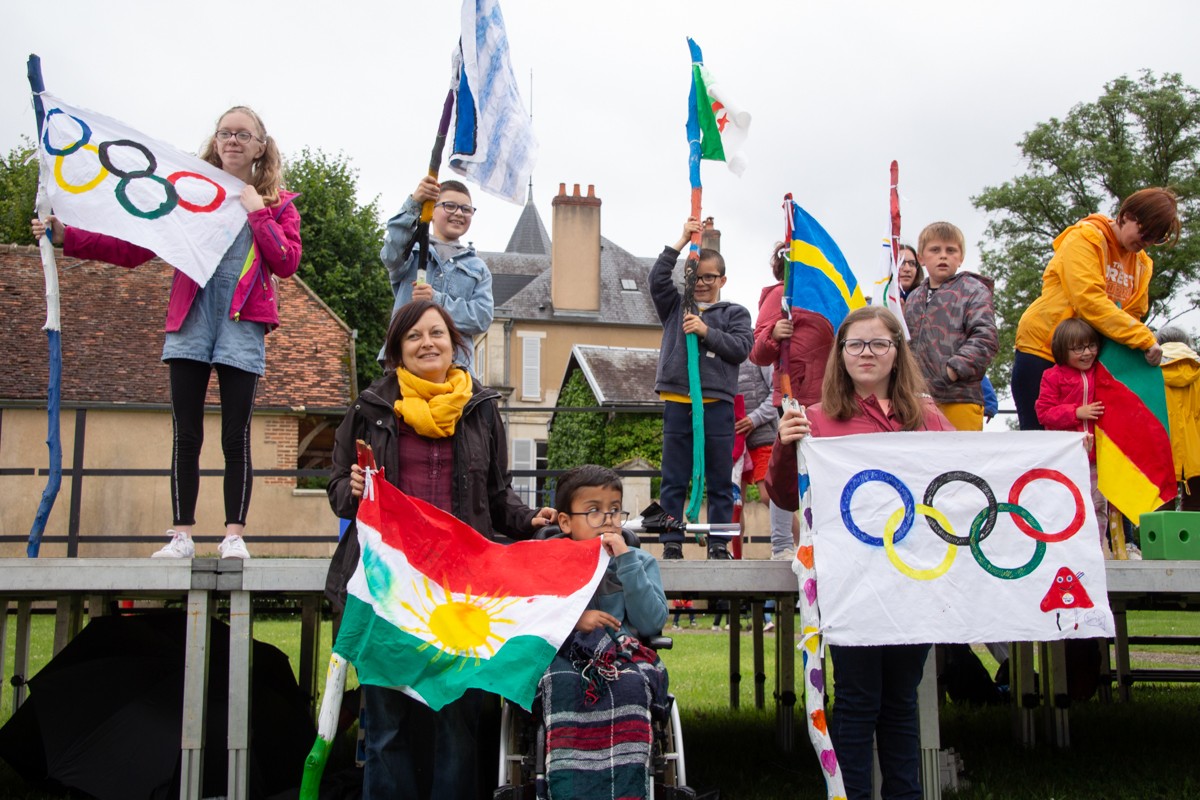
{"x": 819, "y": 278}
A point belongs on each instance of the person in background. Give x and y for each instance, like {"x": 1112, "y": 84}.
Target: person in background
{"x": 220, "y": 327}
{"x": 953, "y": 326}
{"x": 1101, "y": 274}
{"x": 1068, "y": 399}
{"x": 725, "y": 336}
{"x": 1181, "y": 373}
{"x": 457, "y": 279}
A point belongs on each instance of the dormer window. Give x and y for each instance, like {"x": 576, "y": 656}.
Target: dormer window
{"x": 628, "y": 285}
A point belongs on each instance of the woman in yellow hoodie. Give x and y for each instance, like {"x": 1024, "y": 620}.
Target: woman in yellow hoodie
{"x": 1101, "y": 274}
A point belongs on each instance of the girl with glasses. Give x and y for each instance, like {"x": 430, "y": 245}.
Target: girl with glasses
{"x": 1067, "y": 400}
{"x": 872, "y": 384}
{"x": 220, "y": 326}
{"x": 1100, "y": 273}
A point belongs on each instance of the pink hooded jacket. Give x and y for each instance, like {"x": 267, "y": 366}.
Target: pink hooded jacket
{"x": 277, "y": 248}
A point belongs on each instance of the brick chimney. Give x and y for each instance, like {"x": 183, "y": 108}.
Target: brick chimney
{"x": 575, "y": 250}
{"x": 710, "y": 237}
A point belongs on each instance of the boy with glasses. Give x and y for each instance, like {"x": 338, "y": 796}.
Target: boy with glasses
{"x": 725, "y": 338}
{"x": 952, "y": 325}
{"x": 456, "y": 278}
{"x": 599, "y": 690}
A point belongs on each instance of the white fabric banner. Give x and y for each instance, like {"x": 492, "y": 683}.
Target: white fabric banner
{"x": 956, "y": 537}
{"x": 493, "y": 141}
{"x": 105, "y": 177}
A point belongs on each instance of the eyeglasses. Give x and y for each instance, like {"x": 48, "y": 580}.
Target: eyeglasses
{"x": 878, "y": 347}
{"x": 909, "y": 262}
{"x": 451, "y": 208}
{"x": 597, "y": 517}
{"x": 243, "y": 137}
{"x": 708, "y": 280}
{"x": 1090, "y": 347}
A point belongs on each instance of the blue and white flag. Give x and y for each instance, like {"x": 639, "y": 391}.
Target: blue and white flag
{"x": 103, "y": 176}
{"x": 494, "y": 144}
{"x": 985, "y": 537}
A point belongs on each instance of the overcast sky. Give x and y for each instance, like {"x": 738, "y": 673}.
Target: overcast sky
{"x": 836, "y": 90}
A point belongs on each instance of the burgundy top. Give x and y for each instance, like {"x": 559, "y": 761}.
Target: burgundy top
{"x": 781, "y": 471}
{"x": 428, "y": 471}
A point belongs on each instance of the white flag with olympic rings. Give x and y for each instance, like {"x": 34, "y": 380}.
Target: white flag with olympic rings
{"x": 956, "y": 537}
{"x": 106, "y": 177}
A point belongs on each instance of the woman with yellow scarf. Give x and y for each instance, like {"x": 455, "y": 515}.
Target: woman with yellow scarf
{"x": 437, "y": 435}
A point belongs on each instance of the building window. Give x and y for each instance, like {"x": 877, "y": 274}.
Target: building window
{"x": 628, "y": 285}
{"x": 481, "y": 365}
{"x": 531, "y": 365}
{"x": 524, "y": 457}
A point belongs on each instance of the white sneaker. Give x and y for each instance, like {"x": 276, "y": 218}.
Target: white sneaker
{"x": 180, "y": 546}
{"x": 784, "y": 555}
{"x": 233, "y": 547}
{"x": 1132, "y": 552}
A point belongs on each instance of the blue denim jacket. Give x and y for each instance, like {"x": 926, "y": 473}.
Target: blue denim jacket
{"x": 462, "y": 285}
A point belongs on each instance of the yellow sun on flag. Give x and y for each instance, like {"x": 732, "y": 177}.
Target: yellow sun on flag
{"x": 459, "y": 627}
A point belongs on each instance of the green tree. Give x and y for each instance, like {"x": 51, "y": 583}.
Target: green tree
{"x": 342, "y": 240}
{"x": 18, "y": 193}
{"x": 1138, "y": 133}
{"x": 599, "y": 437}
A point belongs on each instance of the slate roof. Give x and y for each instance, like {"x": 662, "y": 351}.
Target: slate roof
{"x": 618, "y": 376}
{"x": 529, "y": 236}
{"x": 112, "y": 321}
{"x": 526, "y": 282}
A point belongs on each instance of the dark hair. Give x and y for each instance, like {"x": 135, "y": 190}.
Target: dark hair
{"x": 1156, "y": 211}
{"x": 1072, "y": 332}
{"x": 582, "y": 477}
{"x": 454, "y": 186}
{"x": 402, "y": 322}
{"x": 708, "y": 254}
{"x": 779, "y": 260}
{"x": 919, "y": 275}
{"x": 905, "y": 389}
{"x": 1174, "y": 333}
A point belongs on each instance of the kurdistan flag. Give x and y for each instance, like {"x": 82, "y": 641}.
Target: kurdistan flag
{"x": 723, "y": 126}
{"x": 436, "y": 609}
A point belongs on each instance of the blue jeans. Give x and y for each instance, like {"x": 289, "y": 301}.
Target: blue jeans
{"x": 414, "y": 752}
{"x": 876, "y": 691}
{"x": 677, "y": 461}
{"x": 1026, "y": 383}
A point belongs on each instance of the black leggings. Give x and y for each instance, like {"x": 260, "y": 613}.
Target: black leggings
{"x": 189, "y": 384}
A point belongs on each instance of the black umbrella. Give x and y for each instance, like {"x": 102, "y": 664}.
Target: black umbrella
{"x": 107, "y": 713}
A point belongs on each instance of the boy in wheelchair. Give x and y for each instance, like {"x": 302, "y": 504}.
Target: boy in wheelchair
{"x": 599, "y": 694}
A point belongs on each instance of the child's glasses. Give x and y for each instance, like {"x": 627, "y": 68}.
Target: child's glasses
{"x": 1080, "y": 349}
{"x": 243, "y": 137}
{"x": 597, "y": 517}
{"x": 707, "y": 280}
{"x": 878, "y": 347}
{"x": 463, "y": 209}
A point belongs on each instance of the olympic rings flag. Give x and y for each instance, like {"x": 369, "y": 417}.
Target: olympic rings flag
{"x": 956, "y": 537}
{"x": 106, "y": 177}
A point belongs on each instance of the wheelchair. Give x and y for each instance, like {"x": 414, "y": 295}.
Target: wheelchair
{"x": 522, "y": 763}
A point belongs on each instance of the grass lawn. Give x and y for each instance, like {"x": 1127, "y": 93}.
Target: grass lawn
{"x": 1141, "y": 751}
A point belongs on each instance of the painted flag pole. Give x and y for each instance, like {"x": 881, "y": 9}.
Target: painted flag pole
{"x": 785, "y": 345}
{"x": 335, "y": 686}
{"x": 811, "y": 646}
{"x": 53, "y": 334}
{"x": 692, "y": 512}
{"x": 435, "y": 166}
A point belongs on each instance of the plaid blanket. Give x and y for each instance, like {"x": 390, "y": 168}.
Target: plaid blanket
{"x": 597, "y": 699}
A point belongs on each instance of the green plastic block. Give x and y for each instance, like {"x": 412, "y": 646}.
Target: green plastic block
{"x": 1171, "y": 535}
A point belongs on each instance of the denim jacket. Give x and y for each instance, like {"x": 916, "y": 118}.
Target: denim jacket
{"x": 462, "y": 285}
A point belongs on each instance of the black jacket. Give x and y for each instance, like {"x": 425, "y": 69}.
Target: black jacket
{"x": 482, "y": 491}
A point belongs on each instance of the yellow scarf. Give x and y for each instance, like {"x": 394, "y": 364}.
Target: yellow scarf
{"x": 433, "y": 409}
